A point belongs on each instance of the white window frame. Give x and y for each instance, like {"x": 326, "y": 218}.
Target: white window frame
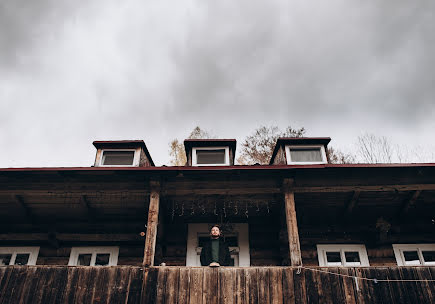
{"x": 227, "y": 156}
{"x": 136, "y": 157}
{"x": 113, "y": 251}
{"x": 342, "y": 248}
{"x": 32, "y": 251}
{"x": 400, "y": 259}
{"x": 240, "y": 254}
{"x": 322, "y": 153}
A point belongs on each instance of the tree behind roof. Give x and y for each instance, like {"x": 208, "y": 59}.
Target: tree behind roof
{"x": 258, "y": 147}
{"x": 177, "y": 153}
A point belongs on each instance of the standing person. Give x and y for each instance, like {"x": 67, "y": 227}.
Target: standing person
{"x": 215, "y": 252}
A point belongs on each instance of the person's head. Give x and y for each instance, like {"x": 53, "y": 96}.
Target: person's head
{"x": 215, "y": 232}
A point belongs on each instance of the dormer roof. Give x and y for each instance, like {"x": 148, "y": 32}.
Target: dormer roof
{"x": 191, "y": 144}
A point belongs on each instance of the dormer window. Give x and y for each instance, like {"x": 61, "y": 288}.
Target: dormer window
{"x": 119, "y": 158}
{"x": 210, "y": 152}
{"x": 213, "y": 156}
{"x": 306, "y": 155}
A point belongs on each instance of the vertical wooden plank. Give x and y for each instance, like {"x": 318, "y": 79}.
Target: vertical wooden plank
{"x": 196, "y": 285}
{"x": 263, "y": 285}
{"x": 251, "y": 285}
{"x": 51, "y": 279}
{"x": 59, "y": 285}
{"x": 423, "y": 288}
{"x": 183, "y": 285}
{"x": 226, "y": 285}
{"x": 366, "y": 291}
{"x": 275, "y": 285}
{"x": 149, "y": 285}
{"x": 172, "y": 281}
{"x": 328, "y": 282}
{"x": 288, "y": 286}
{"x": 240, "y": 286}
{"x": 299, "y": 285}
{"x": 16, "y": 288}
{"x": 30, "y": 284}
{"x": 4, "y": 283}
{"x": 347, "y": 285}
{"x": 292, "y": 225}
{"x": 397, "y": 289}
{"x": 410, "y": 287}
{"x": 210, "y": 292}
{"x": 102, "y": 278}
{"x": 334, "y": 292}
{"x": 118, "y": 292}
{"x": 381, "y": 288}
{"x": 135, "y": 286}
{"x": 311, "y": 283}
{"x": 162, "y": 276}
{"x": 153, "y": 217}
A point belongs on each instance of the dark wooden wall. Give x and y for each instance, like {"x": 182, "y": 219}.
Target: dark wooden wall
{"x": 61, "y": 284}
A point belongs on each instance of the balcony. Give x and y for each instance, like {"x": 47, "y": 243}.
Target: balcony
{"x": 128, "y": 284}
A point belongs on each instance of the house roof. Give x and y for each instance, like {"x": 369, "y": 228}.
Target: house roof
{"x": 123, "y": 144}
{"x": 190, "y": 143}
{"x": 298, "y": 141}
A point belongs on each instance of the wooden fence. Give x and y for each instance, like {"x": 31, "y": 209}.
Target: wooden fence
{"x": 127, "y": 284}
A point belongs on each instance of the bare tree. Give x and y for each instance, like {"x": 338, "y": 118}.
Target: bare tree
{"x": 176, "y": 148}
{"x": 375, "y": 149}
{"x": 258, "y": 147}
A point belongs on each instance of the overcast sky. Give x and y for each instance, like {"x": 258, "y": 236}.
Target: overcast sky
{"x": 72, "y": 72}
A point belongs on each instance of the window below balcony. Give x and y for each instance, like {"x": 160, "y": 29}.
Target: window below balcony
{"x": 94, "y": 256}
{"x": 347, "y": 255}
{"x": 414, "y": 254}
{"x": 18, "y": 255}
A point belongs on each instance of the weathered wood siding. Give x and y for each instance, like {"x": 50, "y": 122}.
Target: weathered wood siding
{"x": 39, "y": 284}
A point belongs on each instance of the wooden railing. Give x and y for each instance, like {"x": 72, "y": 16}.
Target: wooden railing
{"x": 125, "y": 284}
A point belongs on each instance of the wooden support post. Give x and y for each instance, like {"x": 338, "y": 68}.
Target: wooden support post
{"x": 292, "y": 224}
{"x": 153, "y": 218}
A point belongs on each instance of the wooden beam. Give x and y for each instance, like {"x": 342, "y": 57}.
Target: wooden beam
{"x": 153, "y": 218}
{"x": 353, "y": 201}
{"x": 292, "y": 225}
{"x": 374, "y": 188}
{"x": 410, "y": 202}
{"x": 234, "y": 189}
{"x": 22, "y": 204}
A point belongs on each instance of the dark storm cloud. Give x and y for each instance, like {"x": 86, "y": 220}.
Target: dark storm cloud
{"x": 340, "y": 56}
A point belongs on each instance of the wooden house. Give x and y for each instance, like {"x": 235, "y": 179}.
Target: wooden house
{"x": 300, "y": 230}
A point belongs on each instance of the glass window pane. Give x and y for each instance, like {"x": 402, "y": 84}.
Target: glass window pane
{"x": 22, "y": 258}
{"x": 5, "y": 259}
{"x": 333, "y": 258}
{"x": 429, "y": 256}
{"x": 84, "y": 259}
{"x": 305, "y": 155}
{"x": 118, "y": 158}
{"x": 102, "y": 259}
{"x": 411, "y": 257}
{"x": 210, "y": 156}
{"x": 352, "y": 258}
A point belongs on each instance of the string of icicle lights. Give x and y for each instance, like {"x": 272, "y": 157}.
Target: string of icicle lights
{"x": 219, "y": 208}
